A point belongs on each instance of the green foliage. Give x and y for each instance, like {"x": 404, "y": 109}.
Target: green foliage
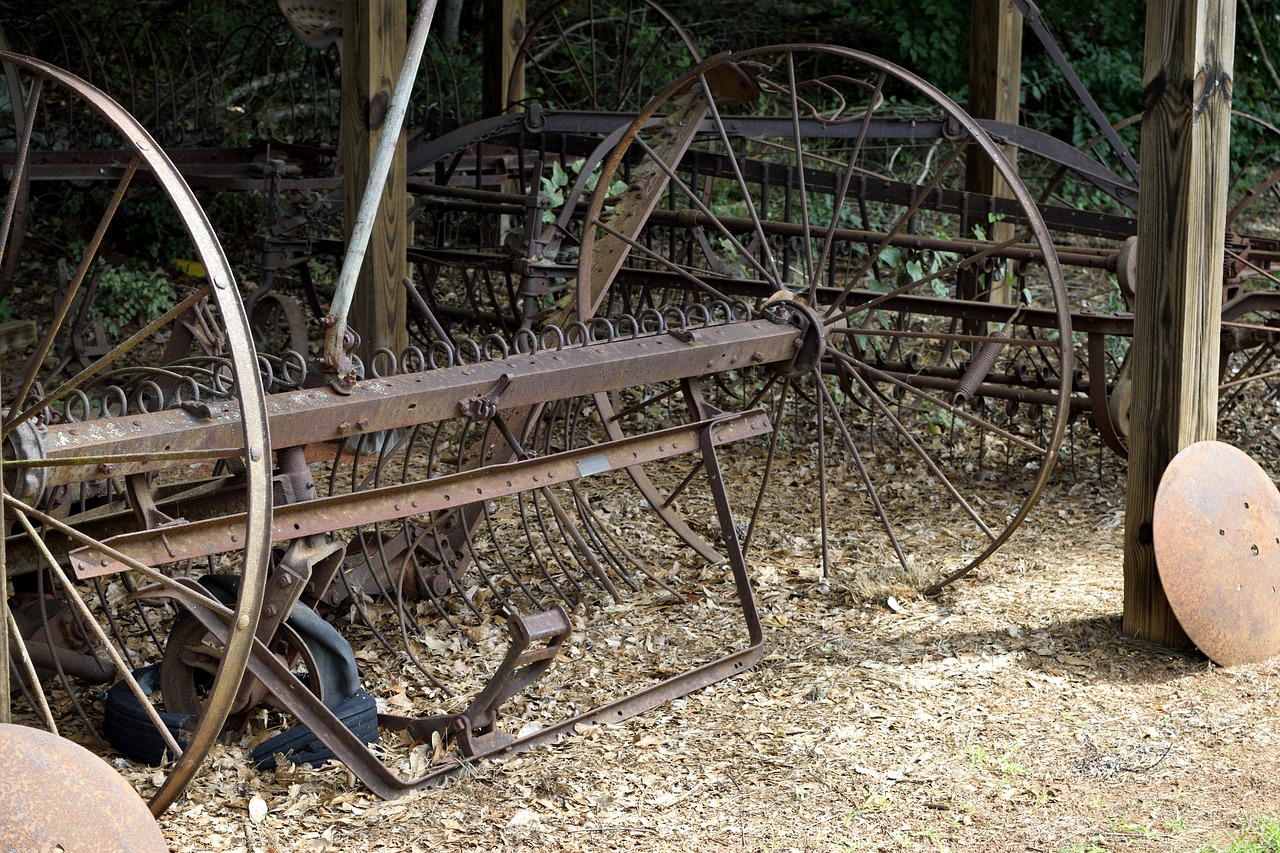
{"x": 1261, "y": 835}
{"x": 1256, "y": 77}
{"x": 922, "y": 48}
{"x": 128, "y": 294}
{"x": 131, "y": 295}
{"x": 556, "y": 184}
{"x": 1103, "y": 42}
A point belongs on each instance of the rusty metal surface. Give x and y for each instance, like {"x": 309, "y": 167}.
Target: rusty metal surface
{"x": 284, "y": 686}
{"x": 413, "y": 541}
{"x": 241, "y": 364}
{"x": 1216, "y": 530}
{"x": 144, "y": 442}
{"x": 56, "y": 795}
{"x": 320, "y": 515}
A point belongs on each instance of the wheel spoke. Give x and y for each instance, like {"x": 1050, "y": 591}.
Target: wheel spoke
{"x": 711, "y": 219}
{"x": 23, "y": 163}
{"x": 64, "y": 308}
{"x": 139, "y": 348}
{"x": 872, "y": 492}
{"x": 772, "y": 275}
{"x": 904, "y": 217}
{"x": 100, "y": 366}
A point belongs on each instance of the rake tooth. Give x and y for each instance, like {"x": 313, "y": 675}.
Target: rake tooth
{"x": 528, "y": 527}
{"x": 608, "y": 545}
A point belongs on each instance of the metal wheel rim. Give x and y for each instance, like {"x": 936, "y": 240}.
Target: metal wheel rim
{"x": 591, "y": 293}
{"x": 252, "y": 409}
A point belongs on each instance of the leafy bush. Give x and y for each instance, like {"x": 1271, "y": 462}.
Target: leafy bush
{"x": 130, "y": 295}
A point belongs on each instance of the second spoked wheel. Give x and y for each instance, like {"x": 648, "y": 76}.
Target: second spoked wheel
{"x": 829, "y": 188}
{"x": 126, "y": 409}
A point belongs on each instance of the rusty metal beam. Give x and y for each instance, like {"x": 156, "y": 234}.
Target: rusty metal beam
{"x": 139, "y": 443}
{"x": 193, "y": 540}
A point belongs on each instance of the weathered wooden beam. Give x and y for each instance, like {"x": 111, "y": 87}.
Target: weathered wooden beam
{"x": 373, "y": 50}
{"x": 1181, "y": 220}
{"x": 995, "y": 75}
{"x": 504, "y": 27}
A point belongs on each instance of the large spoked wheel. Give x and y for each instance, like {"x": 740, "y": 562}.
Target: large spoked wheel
{"x": 596, "y": 55}
{"x": 114, "y": 374}
{"x": 828, "y": 187}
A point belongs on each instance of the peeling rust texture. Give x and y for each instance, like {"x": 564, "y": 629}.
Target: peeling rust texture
{"x": 307, "y": 416}
{"x": 57, "y": 795}
{"x": 1216, "y": 528}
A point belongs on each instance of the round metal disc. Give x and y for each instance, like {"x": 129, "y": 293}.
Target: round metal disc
{"x": 56, "y": 795}
{"x": 1216, "y": 532}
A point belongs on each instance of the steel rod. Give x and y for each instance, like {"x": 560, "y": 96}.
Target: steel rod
{"x": 381, "y": 167}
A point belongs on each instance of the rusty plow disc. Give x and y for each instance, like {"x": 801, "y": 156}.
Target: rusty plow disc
{"x": 1217, "y": 542}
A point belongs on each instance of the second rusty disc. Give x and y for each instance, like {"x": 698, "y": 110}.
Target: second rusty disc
{"x": 1216, "y": 531}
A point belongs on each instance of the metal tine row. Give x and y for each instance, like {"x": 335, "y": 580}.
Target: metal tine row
{"x": 548, "y": 548}
{"x": 464, "y": 568}
{"x": 517, "y": 555}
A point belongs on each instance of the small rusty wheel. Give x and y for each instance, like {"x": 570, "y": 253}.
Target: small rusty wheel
{"x": 812, "y": 180}
{"x": 98, "y": 368}
{"x": 1216, "y": 534}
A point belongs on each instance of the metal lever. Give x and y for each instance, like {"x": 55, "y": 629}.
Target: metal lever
{"x": 477, "y": 728}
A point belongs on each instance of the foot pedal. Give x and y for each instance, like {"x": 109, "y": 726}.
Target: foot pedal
{"x": 535, "y": 641}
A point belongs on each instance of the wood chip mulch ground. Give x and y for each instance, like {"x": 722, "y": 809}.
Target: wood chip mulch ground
{"x": 1010, "y": 713}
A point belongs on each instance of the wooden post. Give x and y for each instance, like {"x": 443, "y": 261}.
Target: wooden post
{"x": 373, "y": 49}
{"x": 1177, "y": 319}
{"x": 6, "y": 697}
{"x": 995, "y": 75}
{"x": 504, "y": 24}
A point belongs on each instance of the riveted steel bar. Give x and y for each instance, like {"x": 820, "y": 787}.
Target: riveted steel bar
{"x": 139, "y": 443}
{"x": 322, "y": 515}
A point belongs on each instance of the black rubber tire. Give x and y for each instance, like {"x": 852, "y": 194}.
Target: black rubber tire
{"x": 332, "y": 653}
{"x": 359, "y": 713}
{"x": 130, "y": 731}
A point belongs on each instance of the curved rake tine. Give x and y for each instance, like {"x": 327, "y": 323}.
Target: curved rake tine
{"x": 78, "y": 604}
{"x": 823, "y": 397}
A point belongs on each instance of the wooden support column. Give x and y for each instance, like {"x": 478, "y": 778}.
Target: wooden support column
{"x": 504, "y": 24}
{"x": 6, "y": 698}
{"x": 374, "y": 40}
{"x": 995, "y": 77}
{"x": 1181, "y": 220}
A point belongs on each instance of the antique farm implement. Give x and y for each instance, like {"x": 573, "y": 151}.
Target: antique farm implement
{"x": 526, "y": 513}
{"x": 448, "y": 503}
